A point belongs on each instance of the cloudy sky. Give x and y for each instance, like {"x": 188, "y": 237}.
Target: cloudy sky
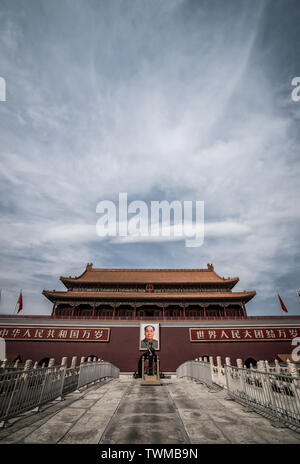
{"x": 164, "y": 100}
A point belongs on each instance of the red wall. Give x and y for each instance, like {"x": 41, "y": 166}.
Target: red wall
{"x": 123, "y": 349}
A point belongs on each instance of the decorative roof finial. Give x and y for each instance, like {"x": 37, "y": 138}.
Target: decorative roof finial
{"x": 210, "y": 267}
{"x": 89, "y": 266}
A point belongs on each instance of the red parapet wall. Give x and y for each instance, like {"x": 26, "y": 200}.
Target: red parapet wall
{"x": 122, "y": 349}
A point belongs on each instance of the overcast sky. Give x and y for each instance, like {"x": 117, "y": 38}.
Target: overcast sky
{"x": 165, "y": 100}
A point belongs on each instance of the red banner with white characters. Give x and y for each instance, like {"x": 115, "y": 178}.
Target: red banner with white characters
{"x": 55, "y": 334}
{"x": 239, "y": 334}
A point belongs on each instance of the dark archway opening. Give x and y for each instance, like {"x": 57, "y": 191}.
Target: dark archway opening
{"x": 250, "y": 361}
{"x": 44, "y": 361}
{"x": 92, "y": 356}
{"x": 204, "y": 356}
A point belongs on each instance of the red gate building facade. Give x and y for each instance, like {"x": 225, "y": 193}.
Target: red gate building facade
{"x": 195, "y": 313}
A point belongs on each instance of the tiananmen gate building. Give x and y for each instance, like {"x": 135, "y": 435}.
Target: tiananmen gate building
{"x": 103, "y": 313}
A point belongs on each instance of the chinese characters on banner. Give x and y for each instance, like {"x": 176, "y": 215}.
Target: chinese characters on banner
{"x": 89, "y": 334}
{"x": 240, "y": 334}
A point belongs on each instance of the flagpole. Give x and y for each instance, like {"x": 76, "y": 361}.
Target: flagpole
{"x": 15, "y": 309}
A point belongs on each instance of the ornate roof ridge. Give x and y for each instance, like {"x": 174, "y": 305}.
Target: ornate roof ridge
{"x": 89, "y": 268}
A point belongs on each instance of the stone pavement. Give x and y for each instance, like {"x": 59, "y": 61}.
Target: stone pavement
{"x": 121, "y": 411}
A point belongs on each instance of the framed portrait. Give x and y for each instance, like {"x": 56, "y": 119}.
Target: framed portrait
{"x": 149, "y": 332}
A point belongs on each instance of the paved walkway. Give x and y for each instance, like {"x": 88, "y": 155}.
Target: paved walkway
{"x": 121, "y": 411}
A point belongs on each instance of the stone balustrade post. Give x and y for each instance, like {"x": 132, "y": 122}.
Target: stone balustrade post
{"x": 292, "y": 368}
{"x": 227, "y": 361}
{"x": 258, "y": 365}
{"x": 73, "y": 362}
{"x": 35, "y": 365}
{"x": 27, "y": 367}
{"x": 82, "y": 360}
{"x": 239, "y": 363}
{"x": 4, "y": 363}
{"x": 261, "y": 365}
{"x": 51, "y": 362}
{"x": 211, "y": 362}
{"x": 64, "y": 361}
{"x": 277, "y": 366}
{"x": 28, "y": 364}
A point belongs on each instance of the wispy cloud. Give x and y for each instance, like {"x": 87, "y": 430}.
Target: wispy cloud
{"x": 174, "y": 100}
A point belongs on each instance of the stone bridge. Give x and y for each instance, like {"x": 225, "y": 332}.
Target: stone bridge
{"x": 121, "y": 411}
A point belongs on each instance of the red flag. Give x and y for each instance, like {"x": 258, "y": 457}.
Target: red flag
{"x": 20, "y": 302}
{"x": 283, "y": 307}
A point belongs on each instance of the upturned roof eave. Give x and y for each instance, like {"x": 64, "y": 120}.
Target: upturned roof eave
{"x": 128, "y": 276}
{"x": 56, "y": 295}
